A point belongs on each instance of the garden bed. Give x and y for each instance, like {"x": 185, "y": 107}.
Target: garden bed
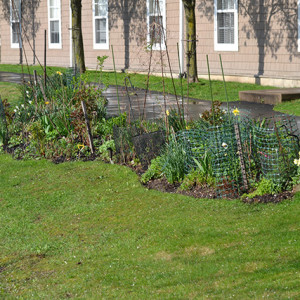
{"x": 221, "y": 154}
{"x": 210, "y": 193}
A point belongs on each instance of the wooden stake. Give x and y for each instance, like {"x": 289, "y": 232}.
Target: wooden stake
{"x": 87, "y": 123}
{"x": 35, "y": 78}
{"x": 240, "y": 154}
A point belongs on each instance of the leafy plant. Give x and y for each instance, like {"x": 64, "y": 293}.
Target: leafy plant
{"x": 196, "y": 178}
{"x": 174, "y": 161}
{"x": 154, "y": 170}
{"x": 204, "y": 165}
{"x": 263, "y": 187}
{"x": 106, "y": 149}
{"x": 175, "y": 120}
{"x": 214, "y": 116}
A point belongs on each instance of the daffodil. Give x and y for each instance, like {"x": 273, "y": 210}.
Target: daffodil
{"x": 224, "y": 145}
{"x": 236, "y": 112}
{"x": 59, "y": 73}
{"x": 167, "y": 112}
{"x": 47, "y": 102}
{"x": 297, "y": 162}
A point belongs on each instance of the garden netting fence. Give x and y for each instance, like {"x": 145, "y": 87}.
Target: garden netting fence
{"x": 240, "y": 150}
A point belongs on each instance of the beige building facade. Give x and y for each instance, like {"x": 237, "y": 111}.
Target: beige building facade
{"x": 257, "y": 39}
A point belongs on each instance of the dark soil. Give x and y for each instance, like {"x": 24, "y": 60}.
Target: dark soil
{"x": 269, "y": 198}
{"x": 196, "y": 191}
{"x": 211, "y": 193}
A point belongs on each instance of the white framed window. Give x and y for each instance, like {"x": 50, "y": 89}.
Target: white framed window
{"x": 226, "y": 25}
{"x": 15, "y": 28}
{"x": 100, "y": 24}
{"x": 54, "y": 24}
{"x": 156, "y": 23}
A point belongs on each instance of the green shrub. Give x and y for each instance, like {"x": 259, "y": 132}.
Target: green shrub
{"x": 105, "y": 148}
{"x": 154, "y": 170}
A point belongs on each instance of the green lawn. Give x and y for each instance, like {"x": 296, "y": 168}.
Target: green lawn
{"x": 90, "y": 230}
{"x": 289, "y": 107}
{"x": 10, "y": 91}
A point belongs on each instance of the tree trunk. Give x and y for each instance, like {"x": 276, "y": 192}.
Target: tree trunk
{"x": 189, "y": 9}
{"x": 78, "y": 50}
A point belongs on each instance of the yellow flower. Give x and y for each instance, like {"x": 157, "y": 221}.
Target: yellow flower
{"x": 236, "y": 112}
{"x": 167, "y": 112}
{"x": 297, "y": 162}
{"x": 188, "y": 127}
{"x": 80, "y": 146}
{"x": 47, "y": 102}
{"x": 59, "y": 73}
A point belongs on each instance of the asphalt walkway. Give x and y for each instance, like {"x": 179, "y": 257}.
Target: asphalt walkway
{"x": 134, "y": 103}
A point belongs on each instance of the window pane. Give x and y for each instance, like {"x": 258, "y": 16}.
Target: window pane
{"x": 225, "y": 4}
{"x": 100, "y": 28}
{"x": 54, "y": 32}
{"x": 225, "y": 28}
{"x": 54, "y": 13}
{"x": 100, "y": 8}
{"x": 156, "y": 7}
{"x": 156, "y": 29}
{"x": 54, "y": 3}
{"x": 15, "y": 11}
{"x": 15, "y": 32}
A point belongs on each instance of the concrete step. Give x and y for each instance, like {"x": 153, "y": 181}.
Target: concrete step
{"x": 270, "y": 96}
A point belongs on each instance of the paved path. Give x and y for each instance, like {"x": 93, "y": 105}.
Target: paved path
{"x": 134, "y": 104}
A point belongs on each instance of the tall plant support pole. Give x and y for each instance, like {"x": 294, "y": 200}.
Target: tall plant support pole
{"x": 113, "y": 56}
{"x": 241, "y": 157}
{"x": 164, "y": 92}
{"x": 87, "y": 123}
{"x": 147, "y": 83}
{"x": 20, "y": 35}
{"x": 224, "y": 82}
{"x": 211, "y": 93}
{"x": 3, "y": 117}
{"x": 168, "y": 58}
{"x": 45, "y": 57}
{"x": 181, "y": 87}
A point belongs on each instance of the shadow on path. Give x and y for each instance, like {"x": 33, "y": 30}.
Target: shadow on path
{"x": 155, "y": 102}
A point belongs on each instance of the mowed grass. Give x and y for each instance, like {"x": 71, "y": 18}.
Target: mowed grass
{"x": 289, "y": 107}
{"x": 10, "y": 91}
{"x": 90, "y": 230}
{"x": 199, "y": 90}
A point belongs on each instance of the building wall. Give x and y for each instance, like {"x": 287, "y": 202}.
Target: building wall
{"x": 57, "y": 57}
{"x": 267, "y": 40}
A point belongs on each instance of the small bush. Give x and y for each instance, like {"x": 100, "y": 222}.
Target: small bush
{"x": 154, "y": 170}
